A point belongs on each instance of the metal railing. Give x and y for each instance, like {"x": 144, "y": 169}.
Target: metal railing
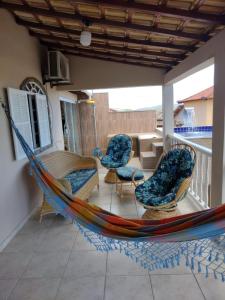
{"x": 201, "y": 181}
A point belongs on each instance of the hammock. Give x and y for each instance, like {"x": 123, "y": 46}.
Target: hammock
{"x": 154, "y": 244}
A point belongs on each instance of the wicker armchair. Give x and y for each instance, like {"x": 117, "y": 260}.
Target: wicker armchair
{"x": 118, "y": 154}
{"x": 78, "y": 174}
{"x": 170, "y": 181}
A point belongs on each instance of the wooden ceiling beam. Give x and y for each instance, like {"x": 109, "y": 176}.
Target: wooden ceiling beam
{"x": 101, "y": 57}
{"x": 104, "y": 47}
{"x": 159, "y": 9}
{"x": 103, "y": 22}
{"x": 107, "y": 55}
{"x": 117, "y": 61}
{"x": 106, "y": 38}
{"x": 55, "y": 42}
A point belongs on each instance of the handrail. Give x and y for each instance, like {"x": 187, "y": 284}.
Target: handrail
{"x": 200, "y": 186}
{"x": 198, "y": 147}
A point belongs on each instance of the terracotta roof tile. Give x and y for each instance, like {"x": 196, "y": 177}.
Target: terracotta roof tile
{"x": 203, "y": 95}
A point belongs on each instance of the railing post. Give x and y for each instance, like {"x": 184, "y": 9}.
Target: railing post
{"x": 218, "y": 140}
{"x": 167, "y": 108}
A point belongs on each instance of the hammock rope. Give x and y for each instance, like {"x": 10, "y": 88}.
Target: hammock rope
{"x": 197, "y": 237}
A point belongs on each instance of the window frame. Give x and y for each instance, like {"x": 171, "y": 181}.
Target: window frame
{"x": 29, "y": 99}
{"x": 40, "y": 149}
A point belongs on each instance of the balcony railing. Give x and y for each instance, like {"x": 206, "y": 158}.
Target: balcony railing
{"x": 201, "y": 181}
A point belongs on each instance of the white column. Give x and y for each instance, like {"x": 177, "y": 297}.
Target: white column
{"x": 167, "y": 108}
{"x": 218, "y": 141}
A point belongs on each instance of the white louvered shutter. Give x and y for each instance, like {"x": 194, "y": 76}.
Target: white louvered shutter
{"x": 19, "y": 110}
{"x": 43, "y": 120}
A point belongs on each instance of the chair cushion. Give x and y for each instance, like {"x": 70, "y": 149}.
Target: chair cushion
{"x": 78, "y": 178}
{"x": 126, "y": 173}
{"x": 109, "y": 163}
{"x": 118, "y": 152}
{"x": 161, "y": 188}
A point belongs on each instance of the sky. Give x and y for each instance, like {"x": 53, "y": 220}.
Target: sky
{"x": 149, "y": 96}
{"x": 195, "y": 83}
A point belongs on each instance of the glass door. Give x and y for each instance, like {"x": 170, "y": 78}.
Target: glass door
{"x": 70, "y": 127}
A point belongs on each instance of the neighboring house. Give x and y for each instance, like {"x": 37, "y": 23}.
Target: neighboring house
{"x": 202, "y": 104}
{"x": 176, "y": 114}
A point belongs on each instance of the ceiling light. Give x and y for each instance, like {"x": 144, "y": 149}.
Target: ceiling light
{"x": 85, "y": 38}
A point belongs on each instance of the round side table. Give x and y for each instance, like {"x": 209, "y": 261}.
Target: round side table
{"x": 127, "y": 175}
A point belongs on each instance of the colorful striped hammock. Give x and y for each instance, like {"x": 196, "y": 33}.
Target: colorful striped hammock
{"x": 154, "y": 244}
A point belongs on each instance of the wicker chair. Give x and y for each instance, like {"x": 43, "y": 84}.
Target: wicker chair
{"x": 78, "y": 175}
{"x": 118, "y": 154}
{"x": 170, "y": 181}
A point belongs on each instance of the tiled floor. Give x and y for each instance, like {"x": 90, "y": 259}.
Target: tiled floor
{"x": 52, "y": 261}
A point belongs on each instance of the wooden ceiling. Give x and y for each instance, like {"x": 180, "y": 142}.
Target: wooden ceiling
{"x": 158, "y": 33}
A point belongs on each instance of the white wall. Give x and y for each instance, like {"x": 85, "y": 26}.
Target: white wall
{"x": 19, "y": 58}
{"x": 89, "y": 73}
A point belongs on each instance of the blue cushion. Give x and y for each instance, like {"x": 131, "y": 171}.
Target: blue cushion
{"x": 118, "y": 152}
{"x": 78, "y": 178}
{"x": 126, "y": 173}
{"x": 161, "y": 188}
{"x": 108, "y": 162}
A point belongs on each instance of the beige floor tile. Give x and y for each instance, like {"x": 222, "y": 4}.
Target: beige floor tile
{"x": 25, "y": 243}
{"x": 120, "y": 264}
{"x": 128, "y": 287}
{"x": 47, "y": 265}
{"x": 179, "y": 287}
{"x": 35, "y": 289}
{"x": 60, "y": 238}
{"x": 81, "y": 243}
{"x": 211, "y": 288}
{"x": 103, "y": 200}
{"x": 125, "y": 206}
{"x": 34, "y": 226}
{"x": 6, "y": 286}
{"x": 128, "y": 209}
{"x": 60, "y": 228}
{"x": 13, "y": 265}
{"x": 86, "y": 263}
{"x": 104, "y": 192}
{"x": 86, "y": 288}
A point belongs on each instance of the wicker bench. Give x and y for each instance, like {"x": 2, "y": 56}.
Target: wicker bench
{"x": 78, "y": 174}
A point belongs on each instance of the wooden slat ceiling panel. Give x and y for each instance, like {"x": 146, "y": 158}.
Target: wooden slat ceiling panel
{"x": 157, "y": 33}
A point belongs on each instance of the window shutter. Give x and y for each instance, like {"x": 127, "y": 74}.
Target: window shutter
{"x": 19, "y": 111}
{"x": 43, "y": 120}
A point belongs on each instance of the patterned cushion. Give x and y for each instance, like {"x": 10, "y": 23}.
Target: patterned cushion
{"x": 161, "y": 188}
{"x": 118, "y": 152}
{"x": 78, "y": 178}
{"x": 126, "y": 173}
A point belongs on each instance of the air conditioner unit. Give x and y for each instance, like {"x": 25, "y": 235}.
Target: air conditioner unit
{"x": 57, "y": 67}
